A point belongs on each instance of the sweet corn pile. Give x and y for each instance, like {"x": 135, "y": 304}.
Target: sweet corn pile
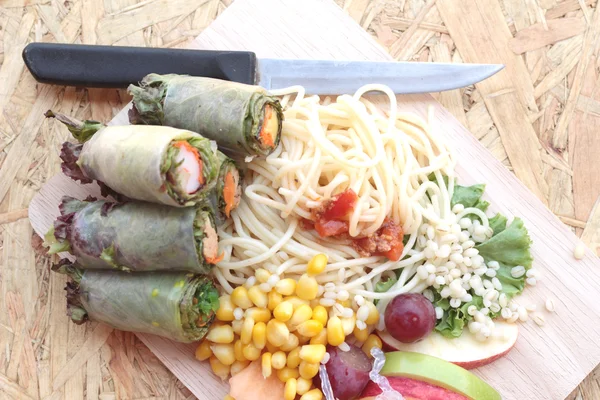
{"x": 287, "y": 327}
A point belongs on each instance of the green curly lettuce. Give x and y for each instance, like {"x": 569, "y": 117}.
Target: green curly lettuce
{"x": 454, "y": 320}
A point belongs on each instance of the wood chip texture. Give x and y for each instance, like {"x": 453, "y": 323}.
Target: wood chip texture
{"x": 539, "y": 116}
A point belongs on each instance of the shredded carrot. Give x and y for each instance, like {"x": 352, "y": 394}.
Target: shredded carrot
{"x": 214, "y": 260}
{"x": 265, "y": 137}
{"x": 229, "y": 193}
{"x": 182, "y": 144}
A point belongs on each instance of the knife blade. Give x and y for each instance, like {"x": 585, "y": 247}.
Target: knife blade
{"x": 119, "y": 66}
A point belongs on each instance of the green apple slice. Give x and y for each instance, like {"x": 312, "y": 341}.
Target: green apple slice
{"x": 438, "y": 372}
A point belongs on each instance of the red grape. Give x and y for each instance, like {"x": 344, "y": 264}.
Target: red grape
{"x": 409, "y": 317}
{"x": 348, "y": 372}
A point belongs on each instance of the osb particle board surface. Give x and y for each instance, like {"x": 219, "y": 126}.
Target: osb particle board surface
{"x": 37, "y": 344}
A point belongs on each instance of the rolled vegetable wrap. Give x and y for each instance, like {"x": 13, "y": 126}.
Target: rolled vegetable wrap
{"x": 240, "y": 118}
{"x": 152, "y": 163}
{"x": 177, "y": 305}
{"x": 135, "y": 236}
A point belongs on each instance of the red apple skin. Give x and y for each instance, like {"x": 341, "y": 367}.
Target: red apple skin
{"x": 412, "y": 389}
{"x": 480, "y": 363}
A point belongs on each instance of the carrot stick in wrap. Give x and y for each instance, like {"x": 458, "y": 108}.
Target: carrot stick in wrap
{"x": 226, "y": 195}
{"x": 240, "y": 118}
{"x": 177, "y": 305}
{"x": 152, "y": 163}
{"x": 135, "y": 236}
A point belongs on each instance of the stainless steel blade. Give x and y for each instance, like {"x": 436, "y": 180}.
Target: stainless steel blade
{"x": 337, "y": 77}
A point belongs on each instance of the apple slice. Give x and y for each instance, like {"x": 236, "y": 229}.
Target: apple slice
{"x": 437, "y": 372}
{"x": 465, "y": 351}
{"x": 412, "y": 389}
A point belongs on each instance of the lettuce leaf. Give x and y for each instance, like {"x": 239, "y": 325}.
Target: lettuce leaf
{"x": 469, "y": 196}
{"x": 455, "y": 319}
{"x": 498, "y": 223}
{"x": 384, "y": 286}
{"x": 509, "y": 248}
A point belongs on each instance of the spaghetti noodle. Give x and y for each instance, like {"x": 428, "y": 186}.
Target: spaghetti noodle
{"x": 399, "y": 166}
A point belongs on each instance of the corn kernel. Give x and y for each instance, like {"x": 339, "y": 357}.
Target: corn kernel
{"x": 225, "y": 311}
{"x": 314, "y": 394}
{"x": 310, "y": 328}
{"x": 320, "y": 314}
{"x": 372, "y": 341}
{"x": 246, "y": 333}
{"x": 237, "y": 326}
{"x": 302, "y": 314}
{"x": 228, "y": 397}
{"x": 262, "y": 275}
{"x": 361, "y": 334}
{"x": 271, "y": 348}
{"x": 321, "y": 338}
{"x": 274, "y": 299}
{"x": 277, "y": 332}
{"x": 259, "y": 335}
{"x": 259, "y": 314}
{"x": 203, "y": 351}
{"x": 296, "y": 301}
{"x": 266, "y": 365}
{"x": 348, "y": 324}
{"x": 317, "y": 264}
{"x": 293, "y": 358}
{"x": 251, "y": 352}
{"x": 307, "y": 287}
{"x": 286, "y": 286}
{"x": 291, "y": 344}
{"x": 238, "y": 350}
{"x": 239, "y": 297}
{"x": 303, "y": 385}
{"x": 220, "y": 334}
{"x": 373, "y": 317}
{"x": 302, "y": 339}
{"x": 237, "y": 366}
{"x": 308, "y": 370}
{"x": 224, "y": 352}
{"x": 312, "y": 353}
{"x": 335, "y": 331}
{"x": 289, "y": 392}
{"x": 283, "y": 312}
{"x": 219, "y": 369}
{"x": 314, "y": 302}
{"x": 278, "y": 360}
{"x": 258, "y": 297}
{"x": 285, "y": 373}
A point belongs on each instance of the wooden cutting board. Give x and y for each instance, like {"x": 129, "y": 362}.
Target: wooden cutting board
{"x": 547, "y": 362}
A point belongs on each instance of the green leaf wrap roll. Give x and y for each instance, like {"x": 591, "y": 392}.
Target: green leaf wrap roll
{"x": 178, "y": 306}
{"x": 135, "y": 236}
{"x": 141, "y": 163}
{"x": 158, "y": 164}
{"x": 240, "y": 118}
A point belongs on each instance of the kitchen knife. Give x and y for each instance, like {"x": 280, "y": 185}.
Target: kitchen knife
{"x": 117, "y": 66}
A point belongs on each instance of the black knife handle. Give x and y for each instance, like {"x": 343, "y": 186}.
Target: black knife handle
{"x": 118, "y": 66}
